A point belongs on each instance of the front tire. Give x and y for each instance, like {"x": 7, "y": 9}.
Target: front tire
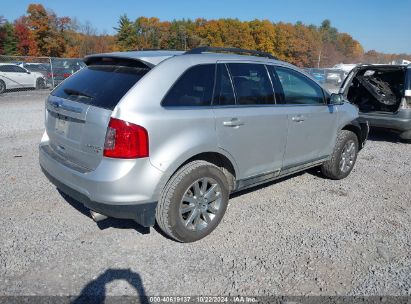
{"x": 193, "y": 202}
{"x": 343, "y": 157}
{"x": 40, "y": 84}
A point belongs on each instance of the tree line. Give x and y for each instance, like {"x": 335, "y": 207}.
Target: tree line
{"x": 41, "y": 32}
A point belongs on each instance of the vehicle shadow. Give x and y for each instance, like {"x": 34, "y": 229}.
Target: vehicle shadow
{"x": 96, "y": 291}
{"x": 378, "y": 134}
{"x": 107, "y": 223}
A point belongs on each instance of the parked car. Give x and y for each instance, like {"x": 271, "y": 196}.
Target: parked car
{"x": 42, "y": 68}
{"x": 64, "y": 68}
{"x": 318, "y": 74}
{"x": 334, "y": 76}
{"x": 383, "y": 96}
{"x": 14, "y": 77}
{"x": 166, "y": 136}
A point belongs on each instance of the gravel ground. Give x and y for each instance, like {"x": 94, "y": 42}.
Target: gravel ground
{"x": 303, "y": 235}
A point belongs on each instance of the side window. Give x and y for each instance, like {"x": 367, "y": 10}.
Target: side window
{"x": 194, "y": 88}
{"x": 17, "y": 69}
{"x": 251, "y": 84}
{"x": 7, "y": 68}
{"x": 299, "y": 89}
{"x": 223, "y": 94}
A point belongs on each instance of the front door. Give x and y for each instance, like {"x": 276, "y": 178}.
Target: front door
{"x": 311, "y": 122}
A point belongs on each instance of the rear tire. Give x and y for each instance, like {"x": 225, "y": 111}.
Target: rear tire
{"x": 2, "y": 87}
{"x": 193, "y": 202}
{"x": 343, "y": 157}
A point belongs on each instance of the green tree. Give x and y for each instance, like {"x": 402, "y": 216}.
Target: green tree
{"x": 8, "y": 39}
{"x": 126, "y": 34}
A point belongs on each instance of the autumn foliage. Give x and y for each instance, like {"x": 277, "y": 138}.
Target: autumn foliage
{"x": 42, "y": 33}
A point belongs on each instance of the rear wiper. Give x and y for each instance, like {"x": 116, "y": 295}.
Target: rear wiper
{"x": 72, "y": 92}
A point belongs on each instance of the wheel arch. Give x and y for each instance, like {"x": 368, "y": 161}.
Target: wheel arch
{"x": 218, "y": 158}
{"x": 355, "y": 127}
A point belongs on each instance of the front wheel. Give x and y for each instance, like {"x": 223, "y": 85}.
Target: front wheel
{"x": 40, "y": 84}
{"x": 193, "y": 202}
{"x": 343, "y": 157}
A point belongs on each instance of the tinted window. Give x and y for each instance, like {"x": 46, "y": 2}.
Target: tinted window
{"x": 6, "y": 68}
{"x": 251, "y": 84}
{"x": 17, "y": 69}
{"x": 194, "y": 88}
{"x": 102, "y": 86}
{"x": 223, "y": 94}
{"x": 298, "y": 89}
{"x": 408, "y": 79}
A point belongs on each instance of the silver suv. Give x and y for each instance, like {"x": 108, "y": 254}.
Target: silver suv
{"x": 166, "y": 136}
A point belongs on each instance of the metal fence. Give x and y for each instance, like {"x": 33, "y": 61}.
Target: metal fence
{"x": 22, "y": 73}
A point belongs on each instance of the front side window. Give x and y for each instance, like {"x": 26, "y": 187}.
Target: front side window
{"x": 18, "y": 69}
{"x": 223, "y": 93}
{"x": 193, "y": 89}
{"x": 252, "y": 84}
{"x": 298, "y": 89}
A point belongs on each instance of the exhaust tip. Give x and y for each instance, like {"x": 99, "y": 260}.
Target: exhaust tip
{"x": 97, "y": 217}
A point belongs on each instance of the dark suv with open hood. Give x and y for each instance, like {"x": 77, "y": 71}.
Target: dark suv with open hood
{"x": 383, "y": 96}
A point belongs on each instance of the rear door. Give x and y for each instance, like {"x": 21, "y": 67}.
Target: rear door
{"x": 78, "y": 111}
{"x": 311, "y": 122}
{"x": 248, "y": 124}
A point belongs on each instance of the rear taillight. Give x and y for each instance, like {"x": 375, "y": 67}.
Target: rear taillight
{"x": 65, "y": 75}
{"x": 49, "y": 75}
{"x": 125, "y": 140}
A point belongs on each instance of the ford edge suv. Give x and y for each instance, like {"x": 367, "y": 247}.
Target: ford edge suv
{"x": 166, "y": 136}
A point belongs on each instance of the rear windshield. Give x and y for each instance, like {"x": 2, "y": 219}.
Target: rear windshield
{"x": 100, "y": 85}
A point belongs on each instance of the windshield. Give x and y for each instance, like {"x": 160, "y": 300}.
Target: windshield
{"x": 101, "y": 86}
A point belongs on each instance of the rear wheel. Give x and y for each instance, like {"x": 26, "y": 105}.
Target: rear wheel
{"x": 344, "y": 156}
{"x": 40, "y": 83}
{"x": 2, "y": 86}
{"x": 193, "y": 202}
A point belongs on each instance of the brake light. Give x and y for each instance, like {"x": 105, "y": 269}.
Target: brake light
{"x": 65, "y": 75}
{"x": 125, "y": 140}
{"x": 50, "y": 75}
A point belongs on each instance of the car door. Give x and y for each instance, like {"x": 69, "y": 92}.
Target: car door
{"x": 248, "y": 125}
{"x": 25, "y": 77}
{"x": 311, "y": 121}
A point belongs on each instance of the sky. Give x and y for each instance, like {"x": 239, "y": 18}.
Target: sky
{"x": 380, "y": 25}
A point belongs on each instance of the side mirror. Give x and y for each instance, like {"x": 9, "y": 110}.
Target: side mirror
{"x": 336, "y": 99}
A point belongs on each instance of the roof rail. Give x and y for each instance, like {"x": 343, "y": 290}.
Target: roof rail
{"x": 203, "y": 49}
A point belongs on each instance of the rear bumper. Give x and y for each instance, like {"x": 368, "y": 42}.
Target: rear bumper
{"x": 400, "y": 122}
{"x": 144, "y": 214}
{"x": 116, "y": 188}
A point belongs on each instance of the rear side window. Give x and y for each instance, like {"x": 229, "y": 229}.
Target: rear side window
{"x": 299, "y": 89}
{"x": 193, "y": 89}
{"x": 251, "y": 84}
{"x": 7, "y": 68}
{"x": 100, "y": 85}
{"x": 223, "y": 93}
{"x": 408, "y": 79}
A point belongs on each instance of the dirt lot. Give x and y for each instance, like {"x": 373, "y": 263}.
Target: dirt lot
{"x": 299, "y": 236}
